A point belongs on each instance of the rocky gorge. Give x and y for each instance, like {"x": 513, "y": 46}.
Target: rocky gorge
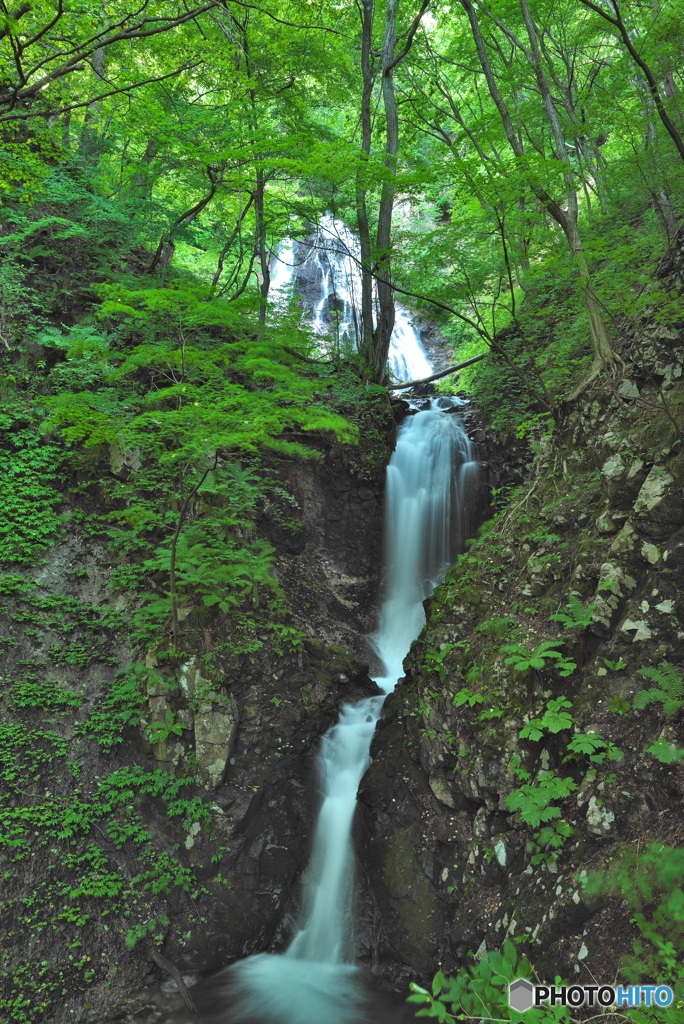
{"x": 581, "y": 559}
{"x": 535, "y": 742}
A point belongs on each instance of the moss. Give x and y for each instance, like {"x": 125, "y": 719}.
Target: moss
{"x": 411, "y": 893}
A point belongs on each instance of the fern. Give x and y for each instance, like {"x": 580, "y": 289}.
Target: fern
{"x": 668, "y": 691}
{"x": 577, "y": 616}
{"x": 496, "y": 627}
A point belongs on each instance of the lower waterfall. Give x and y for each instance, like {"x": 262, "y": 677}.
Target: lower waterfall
{"x": 430, "y": 479}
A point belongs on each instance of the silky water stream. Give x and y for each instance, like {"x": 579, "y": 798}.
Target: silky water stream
{"x": 431, "y": 481}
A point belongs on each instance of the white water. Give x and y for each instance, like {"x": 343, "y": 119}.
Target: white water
{"x": 425, "y": 527}
{"x": 332, "y": 268}
{"x": 429, "y": 479}
{"x": 326, "y": 934}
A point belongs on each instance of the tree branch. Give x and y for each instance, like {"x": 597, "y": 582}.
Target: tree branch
{"x": 436, "y": 376}
{"x": 83, "y": 51}
{"x": 15, "y": 16}
{"x": 290, "y": 24}
{"x": 25, "y": 115}
{"x": 619, "y": 24}
{"x": 411, "y": 33}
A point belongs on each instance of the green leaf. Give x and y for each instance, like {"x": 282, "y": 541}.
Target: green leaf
{"x": 619, "y": 706}
{"x": 666, "y": 753}
{"x": 437, "y": 983}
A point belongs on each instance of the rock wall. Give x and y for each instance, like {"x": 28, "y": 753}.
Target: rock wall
{"x": 166, "y": 803}
{"x": 454, "y": 855}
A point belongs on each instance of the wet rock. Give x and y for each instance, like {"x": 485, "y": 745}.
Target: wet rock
{"x": 622, "y": 479}
{"x": 659, "y": 507}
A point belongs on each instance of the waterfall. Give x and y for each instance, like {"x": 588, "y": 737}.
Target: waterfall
{"x": 327, "y": 931}
{"x": 425, "y": 527}
{"x": 325, "y": 271}
{"x": 430, "y": 478}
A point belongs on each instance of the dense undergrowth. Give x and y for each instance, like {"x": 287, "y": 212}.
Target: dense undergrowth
{"x": 144, "y": 422}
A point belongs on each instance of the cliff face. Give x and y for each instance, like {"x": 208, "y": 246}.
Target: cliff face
{"x": 160, "y": 802}
{"x": 520, "y": 754}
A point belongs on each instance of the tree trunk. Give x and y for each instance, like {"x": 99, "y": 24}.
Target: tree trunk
{"x": 142, "y": 178}
{"x": 365, "y": 342}
{"x": 616, "y": 20}
{"x": 385, "y": 324}
{"x": 603, "y": 350}
{"x": 90, "y": 141}
{"x": 264, "y": 261}
{"x": 566, "y": 219}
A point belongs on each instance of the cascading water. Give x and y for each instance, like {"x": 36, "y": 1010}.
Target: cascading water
{"x": 326, "y": 272}
{"x": 430, "y": 479}
{"x": 430, "y": 485}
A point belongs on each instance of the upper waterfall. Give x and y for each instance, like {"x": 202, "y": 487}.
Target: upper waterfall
{"x": 325, "y": 271}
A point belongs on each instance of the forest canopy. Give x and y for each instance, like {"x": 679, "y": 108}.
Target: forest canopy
{"x": 486, "y": 156}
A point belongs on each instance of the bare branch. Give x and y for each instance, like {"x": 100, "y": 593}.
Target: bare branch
{"x": 435, "y": 376}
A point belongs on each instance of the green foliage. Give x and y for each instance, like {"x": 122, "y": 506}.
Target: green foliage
{"x": 434, "y": 660}
{"x": 577, "y": 616}
{"x": 546, "y": 844}
{"x": 29, "y": 499}
{"x": 523, "y": 660}
{"x": 650, "y": 883}
{"x": 669, "y": 690}
{"x": 168, "y": 391}
{"x": 33, "y": 691}
{"x": 481, "y": 992}
{"x": 496, "y": 627}
{"x": 72, "y": 822}
{"x": 119, "y": 708}
{"x": 156, "y": 928}
{"x": 592, "y": 746}
{"x": 554, "y": 719}
{"x": 157, "y": 732}
{"x": 199, "y": 415}
{"x": 666, "y": 753}
{"x": 465, "y": 696}
{"x": 533, "y": 799}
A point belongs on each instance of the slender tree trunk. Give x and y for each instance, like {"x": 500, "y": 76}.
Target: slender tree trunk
{"x": 660, "y": 196}
{"x": 567, "y": 219}
{"x": 366, "y": 340}
{"x": 264, "y": 261}
{"x": 603, "y": 350}
{"x": 616, "y": 20}
{"x": 90, "y": 141}
{"x": 231, "y": 238}
{"x": 142, "y": 179}
{"x": 385, "y": 324}
{"x": 167, "y": 246}
{"x": 260, "y": 249}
